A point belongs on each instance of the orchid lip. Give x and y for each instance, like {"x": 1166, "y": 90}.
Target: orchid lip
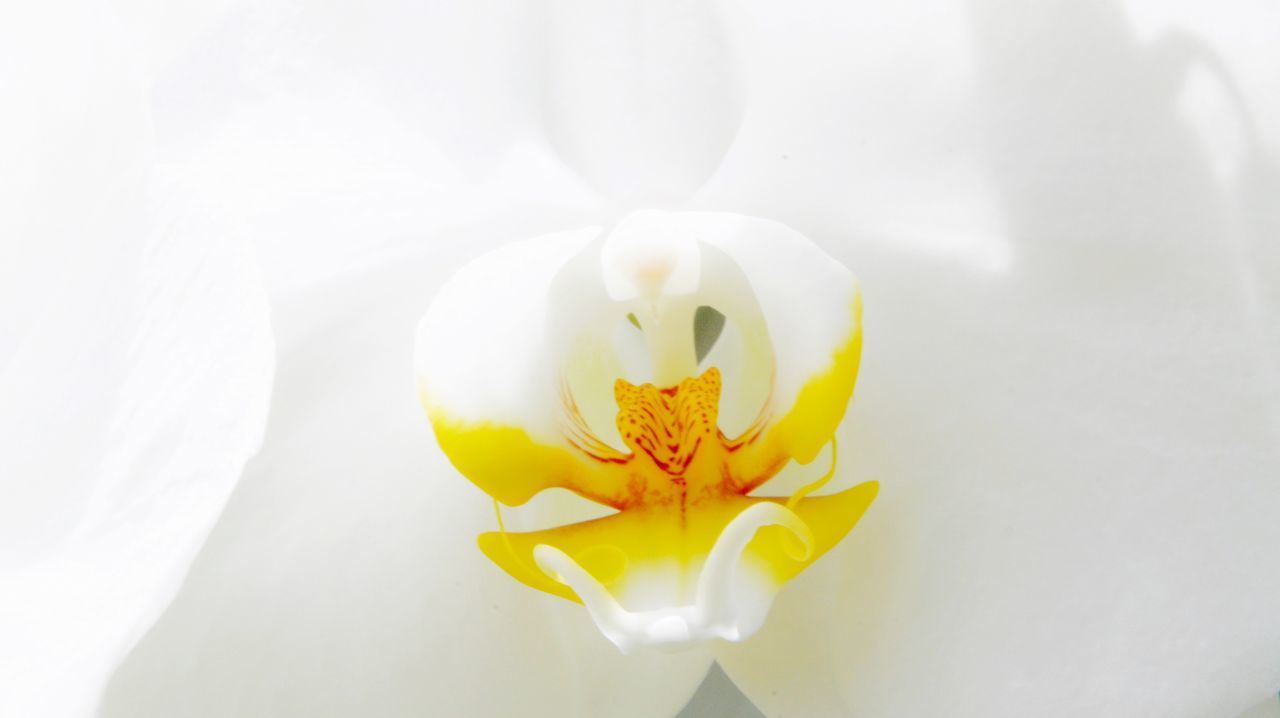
{"x": 713, "y": 614}
{"x": 686, "y": 506}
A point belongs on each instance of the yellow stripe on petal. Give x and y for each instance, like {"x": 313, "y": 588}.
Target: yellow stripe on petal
{"x": 506, "y": 463}
{"x": 811, "y": 422}
{"x": 819, "y": 408}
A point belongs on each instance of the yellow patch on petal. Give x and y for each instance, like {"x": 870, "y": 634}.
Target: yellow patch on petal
{"x": 509, "y": 465}
{"x": 812, "y": 420}
{"x": 829, "y": 517}
{"x": 819, "y": 408}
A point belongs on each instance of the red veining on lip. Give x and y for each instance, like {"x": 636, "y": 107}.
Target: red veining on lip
{"x": 670, "y": 424}
{"x": 677, "y": 453}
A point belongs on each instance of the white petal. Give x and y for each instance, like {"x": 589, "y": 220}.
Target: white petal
{"x": 335, "y": 132}
{"x": 128, "y": 413}
{"x": 881, "y": 133}
{"x": 1079, "y": 499}
{"x": 1269, "y": 708}
{"x": 806, "y": 298}
{"x": 1078, "y": 450}
{"x": 492, "y": 350}
{"x": 135, "y": 365}
{"x": 642, "y": 98}
{"x": 482, "y": 345}
{"x": 345, "y": 578}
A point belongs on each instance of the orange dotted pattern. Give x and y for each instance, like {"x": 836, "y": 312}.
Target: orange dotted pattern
{"x": 669, "y": 424}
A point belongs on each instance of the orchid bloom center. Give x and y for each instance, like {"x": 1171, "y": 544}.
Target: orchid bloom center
{"x": 690, "y": 554}
{"x": 683, "y": 483}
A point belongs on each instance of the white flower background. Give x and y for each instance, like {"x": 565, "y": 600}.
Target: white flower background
{"x": 220, "y": 222}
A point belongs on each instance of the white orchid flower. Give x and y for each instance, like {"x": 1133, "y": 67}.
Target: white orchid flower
{"x": 222, "y": 226}
{"x": 574, "y": 361}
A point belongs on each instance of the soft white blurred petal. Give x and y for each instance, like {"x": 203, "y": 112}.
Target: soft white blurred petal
{"x": 1269, "y": 708}
{"x": 1066, "y": 526}
{"x": 344, "y": 577}
{"x": 335, "y": 132}
{"x": 864, "y": 116}
{"x": 642, "y": 97}
{"x": 128, "y": 413}
{"x": 486, "y": 352}
{"x": 135, "y": 365}
{"x": 1078, "y": 454}
{"x": 1078, "y": 445}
